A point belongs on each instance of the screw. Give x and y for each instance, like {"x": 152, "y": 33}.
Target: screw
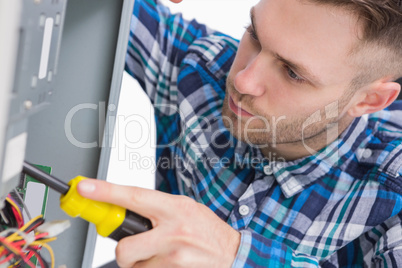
{"x": 28, "y": 104}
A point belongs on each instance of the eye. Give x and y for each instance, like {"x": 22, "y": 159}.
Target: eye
{"x": 293, "y": 75}
{"x": 252, "y": 33}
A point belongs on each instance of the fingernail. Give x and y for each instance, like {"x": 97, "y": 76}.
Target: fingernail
{"x": 86, "y": 186}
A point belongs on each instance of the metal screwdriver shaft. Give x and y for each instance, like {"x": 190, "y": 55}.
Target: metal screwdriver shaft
{"x": 45, "y": 178}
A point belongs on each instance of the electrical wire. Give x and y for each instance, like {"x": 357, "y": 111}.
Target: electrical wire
{"x": 16, "y": 210}
{"x": 21, "y": 243}
{"x": 29, "y": 226}
{"x": 50, "y": 251}
{"x": 18, "y": 246}
{"x": 23, "y": 203}
{"x": 16, "y": 252}
{"x": 11, "y": 215}
{"x": 38, "y": 256}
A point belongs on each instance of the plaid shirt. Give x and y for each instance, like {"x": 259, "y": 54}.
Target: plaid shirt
{"x": 337, "y": 208}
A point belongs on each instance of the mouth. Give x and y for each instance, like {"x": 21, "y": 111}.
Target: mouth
{"x": 237, "y": 110}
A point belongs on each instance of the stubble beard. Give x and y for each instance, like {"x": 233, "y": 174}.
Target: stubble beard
{"x": 282, "y": 130}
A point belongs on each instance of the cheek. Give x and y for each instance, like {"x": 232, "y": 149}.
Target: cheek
{"x": 281, "y": 99}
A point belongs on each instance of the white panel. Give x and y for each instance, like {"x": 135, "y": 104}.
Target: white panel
{"x": 10, "y": 12}
{"x": 34, "y": 195}
{"x": 14, "y": 156}
{"x": 47, "y": 40}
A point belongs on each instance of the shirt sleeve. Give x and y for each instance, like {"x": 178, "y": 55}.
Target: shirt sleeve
{"x": 257, "y": 251}
{"x": 157, "y": 44}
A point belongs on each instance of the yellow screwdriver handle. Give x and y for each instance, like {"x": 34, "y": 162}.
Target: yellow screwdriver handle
{"x": 106, "y": 217}
{"x": 110, "y": 220}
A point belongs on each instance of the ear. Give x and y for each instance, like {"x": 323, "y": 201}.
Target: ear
{"x": 376, "y": 97}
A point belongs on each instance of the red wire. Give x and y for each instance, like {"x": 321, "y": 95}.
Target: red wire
{"x": 20, "y": 221}
{"x": 16, "y": 211}
{"x": 22, "y": 241}
{"x": 9, "y": 257}
{"x": 9, "y": 245}
{"x": 29, "y": 254}
{"x": 21, "y": 254}
{"x": 14, "y": 249}
{"x": 2, "y": 253}
{"x": 38, "y": 222}
{"x": 39, "y": 258}
{"x": 27, "y": 261}
{"x": 41, "y": 235}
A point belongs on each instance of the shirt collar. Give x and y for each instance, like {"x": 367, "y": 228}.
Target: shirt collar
{"x": 294, "y": 176}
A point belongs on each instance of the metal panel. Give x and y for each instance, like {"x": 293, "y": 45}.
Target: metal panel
{"x": 67, "y": 134}
{"x": 111, "y": 114}
{"x": 36, "y": 18}
{"x": 34, "y": 30}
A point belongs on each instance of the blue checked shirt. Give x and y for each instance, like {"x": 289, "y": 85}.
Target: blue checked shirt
{"x": 340, "y": 207}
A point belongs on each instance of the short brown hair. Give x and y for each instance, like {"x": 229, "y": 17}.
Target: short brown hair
{"x": 381, "y": 22}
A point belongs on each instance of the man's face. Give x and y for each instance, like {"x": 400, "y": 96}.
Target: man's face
{"x": 292, "y": 73}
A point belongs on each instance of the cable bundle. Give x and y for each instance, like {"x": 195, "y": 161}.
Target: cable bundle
{"x": 18, "y": 246}
{"x": 19, "y": 242}
{"x": 11, "y": 215}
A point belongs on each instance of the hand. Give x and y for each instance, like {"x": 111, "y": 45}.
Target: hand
{"x": 185, "y": 233}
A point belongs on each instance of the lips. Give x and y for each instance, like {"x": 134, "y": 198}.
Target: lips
{"x": 237, "y": 110}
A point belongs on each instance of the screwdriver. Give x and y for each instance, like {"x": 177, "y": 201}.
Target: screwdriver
{"x": 110, "y": 220}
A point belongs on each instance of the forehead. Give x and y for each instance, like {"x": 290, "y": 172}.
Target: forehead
{"x": 318, "y": 36}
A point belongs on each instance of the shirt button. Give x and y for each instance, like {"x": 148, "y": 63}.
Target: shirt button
{"x": 367, "y": 153}
{"x": 268, "y": 170}
{"x": 244, "y": 210}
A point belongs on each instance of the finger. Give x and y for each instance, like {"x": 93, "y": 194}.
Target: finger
{"x": 175, "y": 1}
{"x": 148, "y": 203}
{"x": 137, "y": 248}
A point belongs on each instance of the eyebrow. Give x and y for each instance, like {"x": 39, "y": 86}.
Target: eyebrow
{"x": 298, "y": 68}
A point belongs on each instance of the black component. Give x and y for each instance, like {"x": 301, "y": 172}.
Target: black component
{"x": 132, "y": 224}
{"x": 45, "y": 178}
{"x": 10, "y": 221}
{"x": 21, "y": 184}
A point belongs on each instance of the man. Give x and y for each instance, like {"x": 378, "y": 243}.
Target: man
{"x": 284, "y": 140}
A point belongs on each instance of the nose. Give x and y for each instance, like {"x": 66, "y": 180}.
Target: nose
{"x": 250, "y": 80}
